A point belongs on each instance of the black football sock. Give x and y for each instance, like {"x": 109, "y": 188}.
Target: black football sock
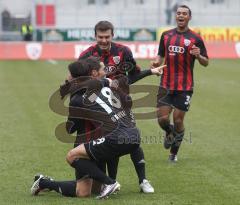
{"x": 166, "y": 126}
{"x": 102, "y": 166}
{"x": 66, "y": 188}
{"x": 86, "y": 167}
{"x": 178, "y": 137}
{"x": 112, "y": 166}
{"x": 139, "y": 163}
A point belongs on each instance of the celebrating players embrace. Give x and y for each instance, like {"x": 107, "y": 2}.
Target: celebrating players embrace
{"x": 100, "y": 107}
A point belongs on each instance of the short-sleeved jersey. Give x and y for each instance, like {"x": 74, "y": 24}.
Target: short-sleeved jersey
{"x": 175, "y": 48}
{"x": 119, "y": 60}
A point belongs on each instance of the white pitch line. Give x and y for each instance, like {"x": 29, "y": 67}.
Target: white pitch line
{"x": 52, "y": 61}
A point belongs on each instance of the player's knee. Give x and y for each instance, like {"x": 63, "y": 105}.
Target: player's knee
{"x": 178, "y": 124}
{"x": 70, "y": 157}
{"x": 163, "y": 121}
{"x": 83, "y": 193}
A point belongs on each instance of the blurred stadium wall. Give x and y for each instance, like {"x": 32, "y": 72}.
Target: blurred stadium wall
{"x": 136, "y": 21}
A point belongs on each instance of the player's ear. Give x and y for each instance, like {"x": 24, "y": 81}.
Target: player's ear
{"x": 190, "y": 15}
{"x": 69, "y": 76}
{"x": 94, "y": 73}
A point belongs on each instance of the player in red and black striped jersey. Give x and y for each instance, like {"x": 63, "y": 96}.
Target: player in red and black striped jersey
{"x": 118, "y": 59}
{"x": 179, "y": 48}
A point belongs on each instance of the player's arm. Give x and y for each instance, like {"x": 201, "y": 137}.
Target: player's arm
{"x": 86, "y": 53}
{"x": 134, "y": 72}
{"x": 157, "y": 62}
{"x": 161, "y": 53}
{"x": 203, "y": 60}
{"x": 72, "y": 123}
{"x": 142, "y": 74}
{"x": 200, "y": 52}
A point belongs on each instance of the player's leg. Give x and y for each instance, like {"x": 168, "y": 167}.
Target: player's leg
{"x": 96, "y": 187}
{"x": 137, "y": 157}
{"x": 163, "y": 114}
{"x": 112, "y": 167}
{"x": 41, "y": 183}
{"x": 178, "y": 118}
{"x": 79, "y": 158}
{"x": 164, "y": 109}
{"x": 181, "y": 103}
{"x": 84, "y": 187}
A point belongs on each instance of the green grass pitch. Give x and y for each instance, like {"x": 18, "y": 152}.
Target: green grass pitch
{"x": 208, "y": 169}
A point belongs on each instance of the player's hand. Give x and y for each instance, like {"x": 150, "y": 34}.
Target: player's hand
{"x": 113, "y": 83}
{"x": 154, "y": 64}
{"x": 158, "y": 70}
{"x": 110, "y": 81}
{"x": 195, "y": 51}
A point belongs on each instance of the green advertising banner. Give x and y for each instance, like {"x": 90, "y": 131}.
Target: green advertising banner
{"x": 88, "y": 35}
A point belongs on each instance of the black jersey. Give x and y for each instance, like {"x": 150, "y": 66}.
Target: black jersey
{"x": 97, "y": 102}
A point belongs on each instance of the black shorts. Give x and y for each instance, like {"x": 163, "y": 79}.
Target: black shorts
{"x": 178, "y": 99}
{"x": 103, "y": 149}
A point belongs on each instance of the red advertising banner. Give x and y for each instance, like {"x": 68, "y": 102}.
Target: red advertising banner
{"x": 70, "y": 51}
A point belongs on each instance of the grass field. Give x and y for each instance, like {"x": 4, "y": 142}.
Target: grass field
{"x": 208, "y": 171}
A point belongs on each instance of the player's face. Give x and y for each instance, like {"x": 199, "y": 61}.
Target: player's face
{"x": 69, "y": 76}
{"x": 182, "y": 17}
{"x": 100, "y": 73}
{"x": 104, "y": 39}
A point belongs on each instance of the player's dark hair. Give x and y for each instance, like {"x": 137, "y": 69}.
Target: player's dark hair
{"x": 103, "y": 26}
{"x": 186, "y": 7}
{"x": 84, "y": 67}
{"x": 93, "y": 64}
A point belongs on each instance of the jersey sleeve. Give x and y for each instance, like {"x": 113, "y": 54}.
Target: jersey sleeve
{"x": 134, "y": 72}
{"x": 201, "y": 45}
{"x": 73, "y": 123}
{"x": 86, "y": 53}
{"x": 161, "y": 49}
{"x": 129, "y": 61}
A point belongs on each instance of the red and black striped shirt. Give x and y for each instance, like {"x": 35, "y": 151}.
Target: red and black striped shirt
{"x": 175, "y": 47}
{"x": 118, "y": 60}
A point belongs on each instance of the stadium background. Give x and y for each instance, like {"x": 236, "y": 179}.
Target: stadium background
{"x": 208, "y": 168}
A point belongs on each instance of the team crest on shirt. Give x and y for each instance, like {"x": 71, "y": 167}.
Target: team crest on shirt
{"x": 187, "y": 42}
{"x": 116, "y": 59}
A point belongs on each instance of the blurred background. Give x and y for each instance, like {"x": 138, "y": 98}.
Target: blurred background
{"x": 217, "y": 21}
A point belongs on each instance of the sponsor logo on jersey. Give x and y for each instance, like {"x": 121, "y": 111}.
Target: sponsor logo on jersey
{"x": 110, "y": 68}
{"x": 176, "y": 49}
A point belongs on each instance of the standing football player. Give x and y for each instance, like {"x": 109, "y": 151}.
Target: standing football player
{"x": 178, "y": 48}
